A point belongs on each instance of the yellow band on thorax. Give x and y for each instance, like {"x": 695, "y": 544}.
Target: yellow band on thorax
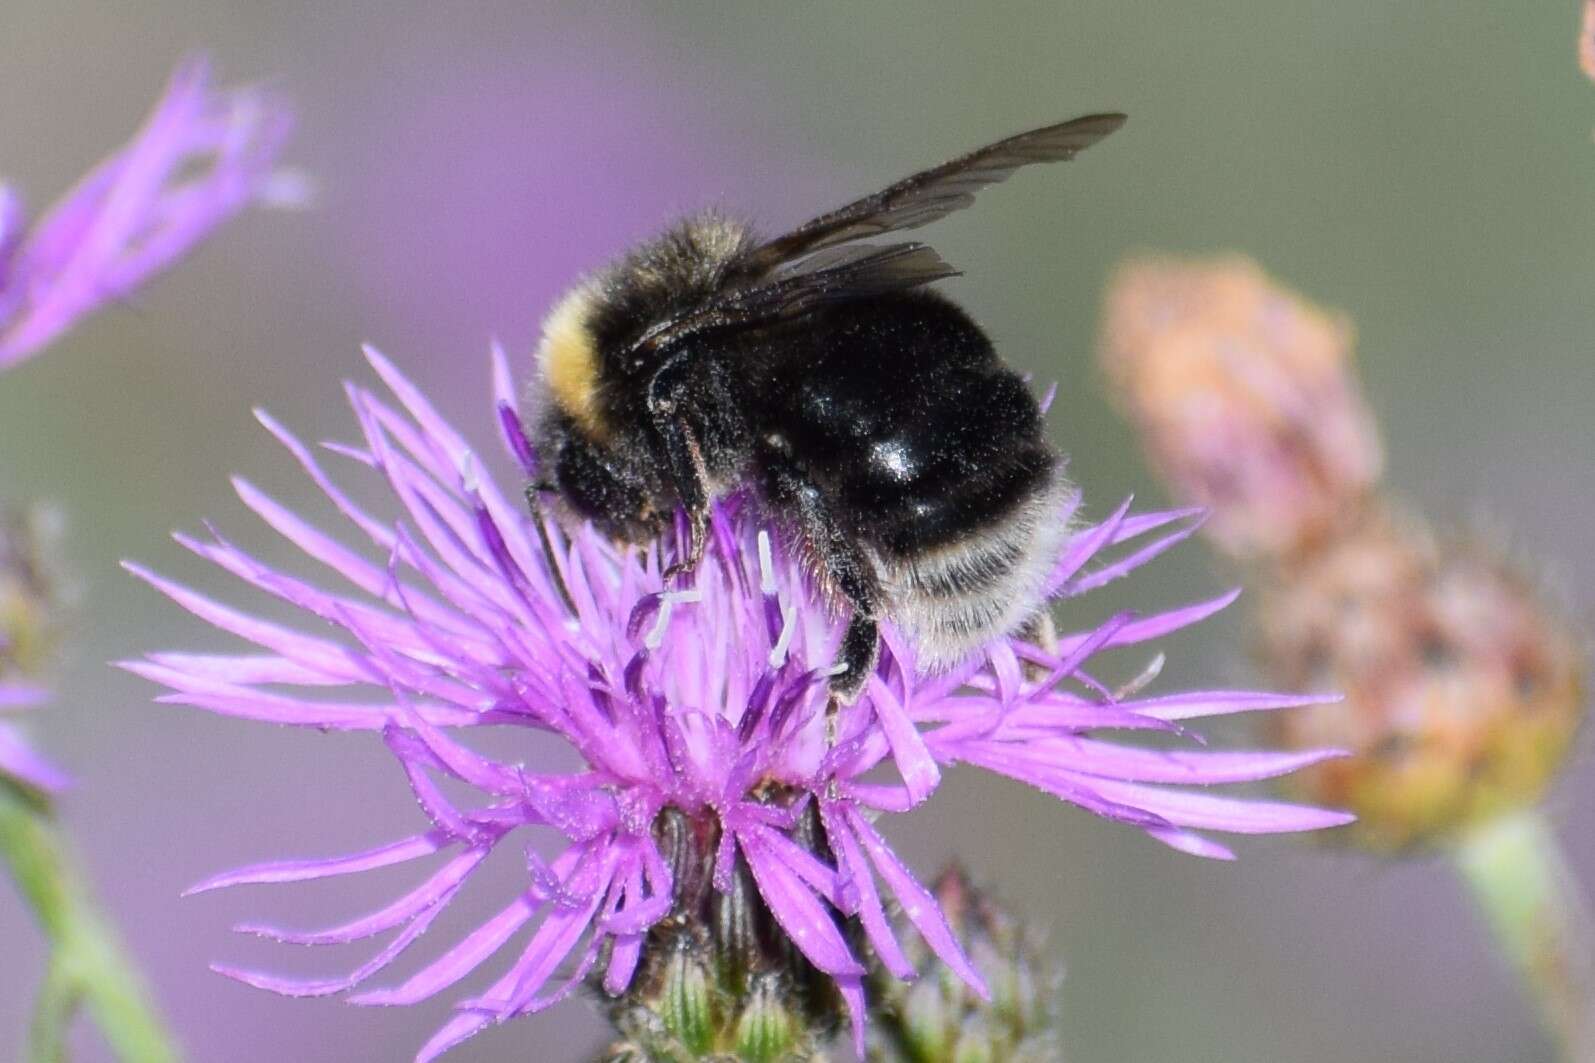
{"x": 568, "y": 358}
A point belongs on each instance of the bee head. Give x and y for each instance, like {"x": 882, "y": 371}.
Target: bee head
{"x": 590, "y": 395}
{"x": 592, "y": 368}
{"x": 599, "y": 482}
{"x": 596, "y": 460}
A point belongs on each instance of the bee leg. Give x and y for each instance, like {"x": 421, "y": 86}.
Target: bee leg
{"x": 534, "y": 501}
{"x": 859, "y": 653}
{"x": 845, "y": 569}
{"x": 1041, "y": 630}
{"x": 687, "y": 470}
{"x": 697, "y": 537}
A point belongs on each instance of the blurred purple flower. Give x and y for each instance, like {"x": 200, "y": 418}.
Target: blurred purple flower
{"x": 709, "y": 699}
{"x": 18, "y": 760}
{"x": 200, "y": 158}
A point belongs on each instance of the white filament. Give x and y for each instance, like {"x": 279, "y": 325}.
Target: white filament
{"x": 667, "y": 601}
{"x": 788, "y": 626}
{"x": 766, "y": 565}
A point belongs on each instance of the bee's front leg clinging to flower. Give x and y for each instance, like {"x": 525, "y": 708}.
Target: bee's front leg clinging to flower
{"x": 534, "y": 502}
{"x": 688, "y": 472}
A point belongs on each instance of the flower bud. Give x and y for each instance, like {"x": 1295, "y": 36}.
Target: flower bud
{"x": 1245, "y": 397}
{"x": 31, "y": 591}
{"x": 939, "y": 1019}
{"x": 717, "y": 979}
{"x": 30, "y": 620}
{"x": 1462, "y": 687}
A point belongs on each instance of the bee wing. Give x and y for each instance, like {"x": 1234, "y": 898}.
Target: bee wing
{"x": 840, "y": 273}
{"x": 798, "y": 288}
{"x": 933, "y": 193}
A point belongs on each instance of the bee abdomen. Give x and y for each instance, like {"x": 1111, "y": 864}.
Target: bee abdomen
{"x": 954, "y": 598}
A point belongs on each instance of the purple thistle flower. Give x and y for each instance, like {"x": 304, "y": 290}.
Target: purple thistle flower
{"x": 710, "y": 700}
{"x": 200, "y": 158}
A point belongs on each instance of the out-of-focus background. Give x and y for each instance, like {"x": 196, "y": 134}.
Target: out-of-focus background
{"x": 1427, "y": 167}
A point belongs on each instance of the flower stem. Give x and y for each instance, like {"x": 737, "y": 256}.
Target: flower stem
{"x": 87, "y": 964}
{"x": 1518, "y": 876}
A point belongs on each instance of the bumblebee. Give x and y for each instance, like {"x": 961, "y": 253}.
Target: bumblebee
{"x": 869, "y": 413}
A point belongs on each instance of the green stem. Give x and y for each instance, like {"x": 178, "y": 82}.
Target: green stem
{"x": 58, "y": 1002}
{"x": 1516, "y": 871}
{"x": 87, "y": 963}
